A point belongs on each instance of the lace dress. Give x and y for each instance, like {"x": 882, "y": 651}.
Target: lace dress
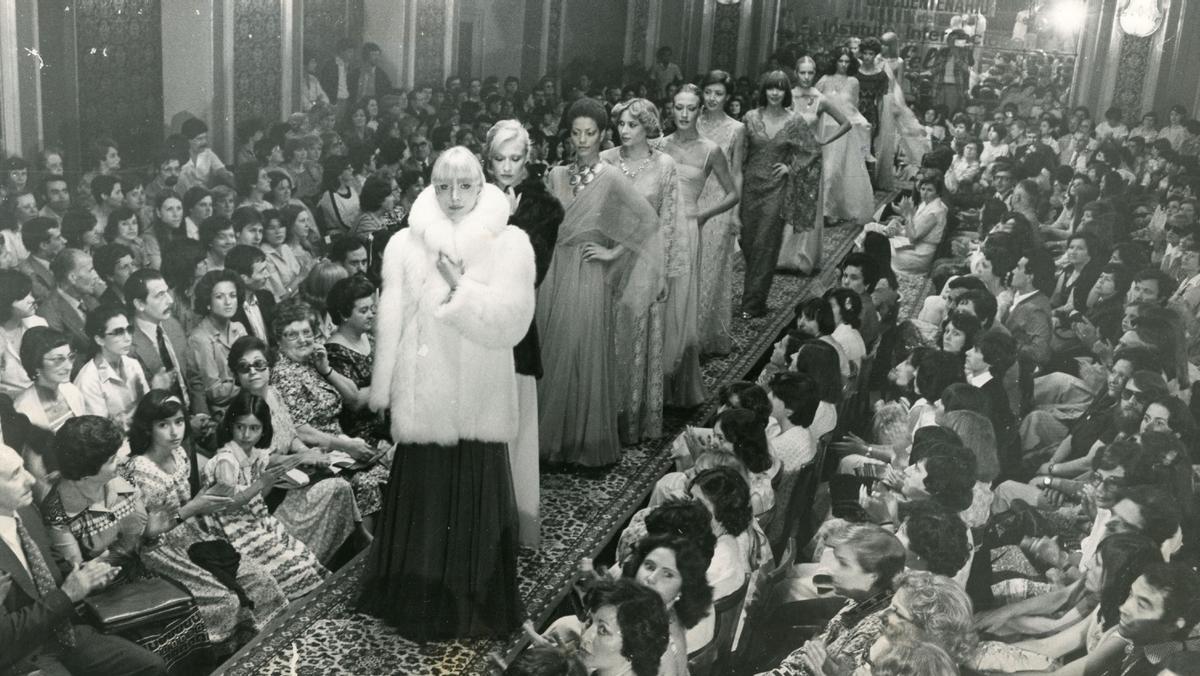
{"x": 167, "y": 555}
{"x": 257, "y": 535}
{"x": 638, "y": 338}
{"x": 717, "y": 242}
{"x": 357, "y": 367}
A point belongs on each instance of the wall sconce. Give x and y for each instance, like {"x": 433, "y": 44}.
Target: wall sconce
{"x": 1140, "y": 18}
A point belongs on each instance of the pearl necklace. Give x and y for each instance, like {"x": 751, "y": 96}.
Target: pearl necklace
{"x": 634, "y": 174}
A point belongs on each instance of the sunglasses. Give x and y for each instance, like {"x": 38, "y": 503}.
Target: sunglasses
{"x": 119, "y": 331}
{"x": 245, "y": 368}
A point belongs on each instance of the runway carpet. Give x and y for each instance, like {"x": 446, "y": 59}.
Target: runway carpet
{"x": 323, "y": 635}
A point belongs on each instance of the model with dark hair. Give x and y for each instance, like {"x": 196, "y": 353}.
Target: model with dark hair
{"x": 719, "y": 231}
{"x": 609, "y": 251}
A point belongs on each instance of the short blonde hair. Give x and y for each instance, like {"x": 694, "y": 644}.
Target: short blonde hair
{"x": 504, "y": 131}
{"x": 454, "y": 163}
{"x": 645, "y": 112}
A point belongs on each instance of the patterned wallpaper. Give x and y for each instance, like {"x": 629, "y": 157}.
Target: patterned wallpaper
{"x": 257, "y": 60}
{"x": 554, "y": 37}
{"x": 327, "y": 21}
{"x": 120, "y": 74}
{"x": 727, "y": 21}
{"x": 430, "y": 55}
{"x": 1133, "y": 64}
{"x": 641, "y": 24}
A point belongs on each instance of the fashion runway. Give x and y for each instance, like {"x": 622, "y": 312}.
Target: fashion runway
{"x": 580, "y": 514}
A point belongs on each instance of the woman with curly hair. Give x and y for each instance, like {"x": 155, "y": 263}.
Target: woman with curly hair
{"x": 741, "y": 544}
{"x": 847, "y": 314}
{"x": 674, "y": 567}
{"x": 217, "y": 297}
{"x": 640, "y": 336}
{"x": 864, "y": 564}
{"x": 743, "y": 432}
{"x": 958, "y": 332}
{"x": 608, "y": 254}
{"x": 627, "y": 630}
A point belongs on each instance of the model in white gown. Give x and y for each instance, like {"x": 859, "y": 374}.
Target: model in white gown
{"x": 847, "y": 184}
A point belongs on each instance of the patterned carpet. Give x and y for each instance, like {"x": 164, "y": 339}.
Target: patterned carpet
{"x": 322, "y": 634}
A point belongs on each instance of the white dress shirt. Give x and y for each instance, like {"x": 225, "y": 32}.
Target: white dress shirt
{"x": 8, "y": 533}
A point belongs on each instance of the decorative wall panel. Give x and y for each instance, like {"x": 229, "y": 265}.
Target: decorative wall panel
{"x": 638, "y": 29}
{"x": 327, "y": 21}
{"x": 554, "y": 36}
{"x": 257, "y": 60}
{"x": 1133, "y": 66}
{"x": 727, "y": 20}
{"x": 121, "y": 74}
{"x": 430, "y": 48}
{"x": 531, "y": 48}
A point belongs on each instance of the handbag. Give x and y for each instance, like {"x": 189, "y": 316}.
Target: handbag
{"x": 137, "y": 603}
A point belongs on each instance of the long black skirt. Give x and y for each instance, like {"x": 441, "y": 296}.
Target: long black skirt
{"x": 444, "y": 561}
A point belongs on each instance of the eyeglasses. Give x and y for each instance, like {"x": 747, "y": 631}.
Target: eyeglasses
{"x": 1128, "y": 394}
{"x": 1108, "y": 482}
{"x": 119, "y": 331}
{"x": 59, "y": 361}
{"x": 256, "y": 365}
{"x": 293, "y": 336}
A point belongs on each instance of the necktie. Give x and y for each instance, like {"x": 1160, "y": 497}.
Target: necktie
{"x": 163, "y": 353}
{"x": 44, "y": 581}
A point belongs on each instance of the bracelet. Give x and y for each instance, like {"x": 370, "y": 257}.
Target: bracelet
{"x": 325, "y": 374}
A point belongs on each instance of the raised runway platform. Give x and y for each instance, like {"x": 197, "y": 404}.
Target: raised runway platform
{"x": 580, "y": 514}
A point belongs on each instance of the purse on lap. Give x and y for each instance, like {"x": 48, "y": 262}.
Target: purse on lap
{"x": 137, "y": 603}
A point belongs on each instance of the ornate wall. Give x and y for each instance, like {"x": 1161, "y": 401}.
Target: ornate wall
{"x": 727, "y": 21}
{"x": 554, "y": 36}
{"x": 430, "y": 52}
{"x": 327, "y": 21}
{"x": 120, "y": 73}
{"x": 1132, "y": 72}
{"x": 257, "y": 60}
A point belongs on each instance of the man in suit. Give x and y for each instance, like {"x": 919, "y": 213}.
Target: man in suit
{"x": 159, "y": 341}
{"x": 1027, "y": 317}
{"x": 76, "y": 291}
{"x": 996, "y": 205}
{"x": 369, "y": 78}
{"x": 986, "y": 363}
{"x": 43, "y": 239}
{"x": 257, "y": 308}
{"x": 38, "y": 629}
{"x": 420, "y": 161}
{"x": 335, "y": 76}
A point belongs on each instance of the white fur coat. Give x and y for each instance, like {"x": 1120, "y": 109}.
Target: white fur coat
{"x": 444, "y": 362}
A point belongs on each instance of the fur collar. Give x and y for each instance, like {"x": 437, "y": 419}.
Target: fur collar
{"x": 484, "y": 223}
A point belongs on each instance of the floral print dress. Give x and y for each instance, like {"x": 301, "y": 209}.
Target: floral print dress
{"x": 167, "y": 555}
{"x": 312, "y": 401}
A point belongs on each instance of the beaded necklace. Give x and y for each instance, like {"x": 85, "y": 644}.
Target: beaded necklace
{"x": 634, "y": 174}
